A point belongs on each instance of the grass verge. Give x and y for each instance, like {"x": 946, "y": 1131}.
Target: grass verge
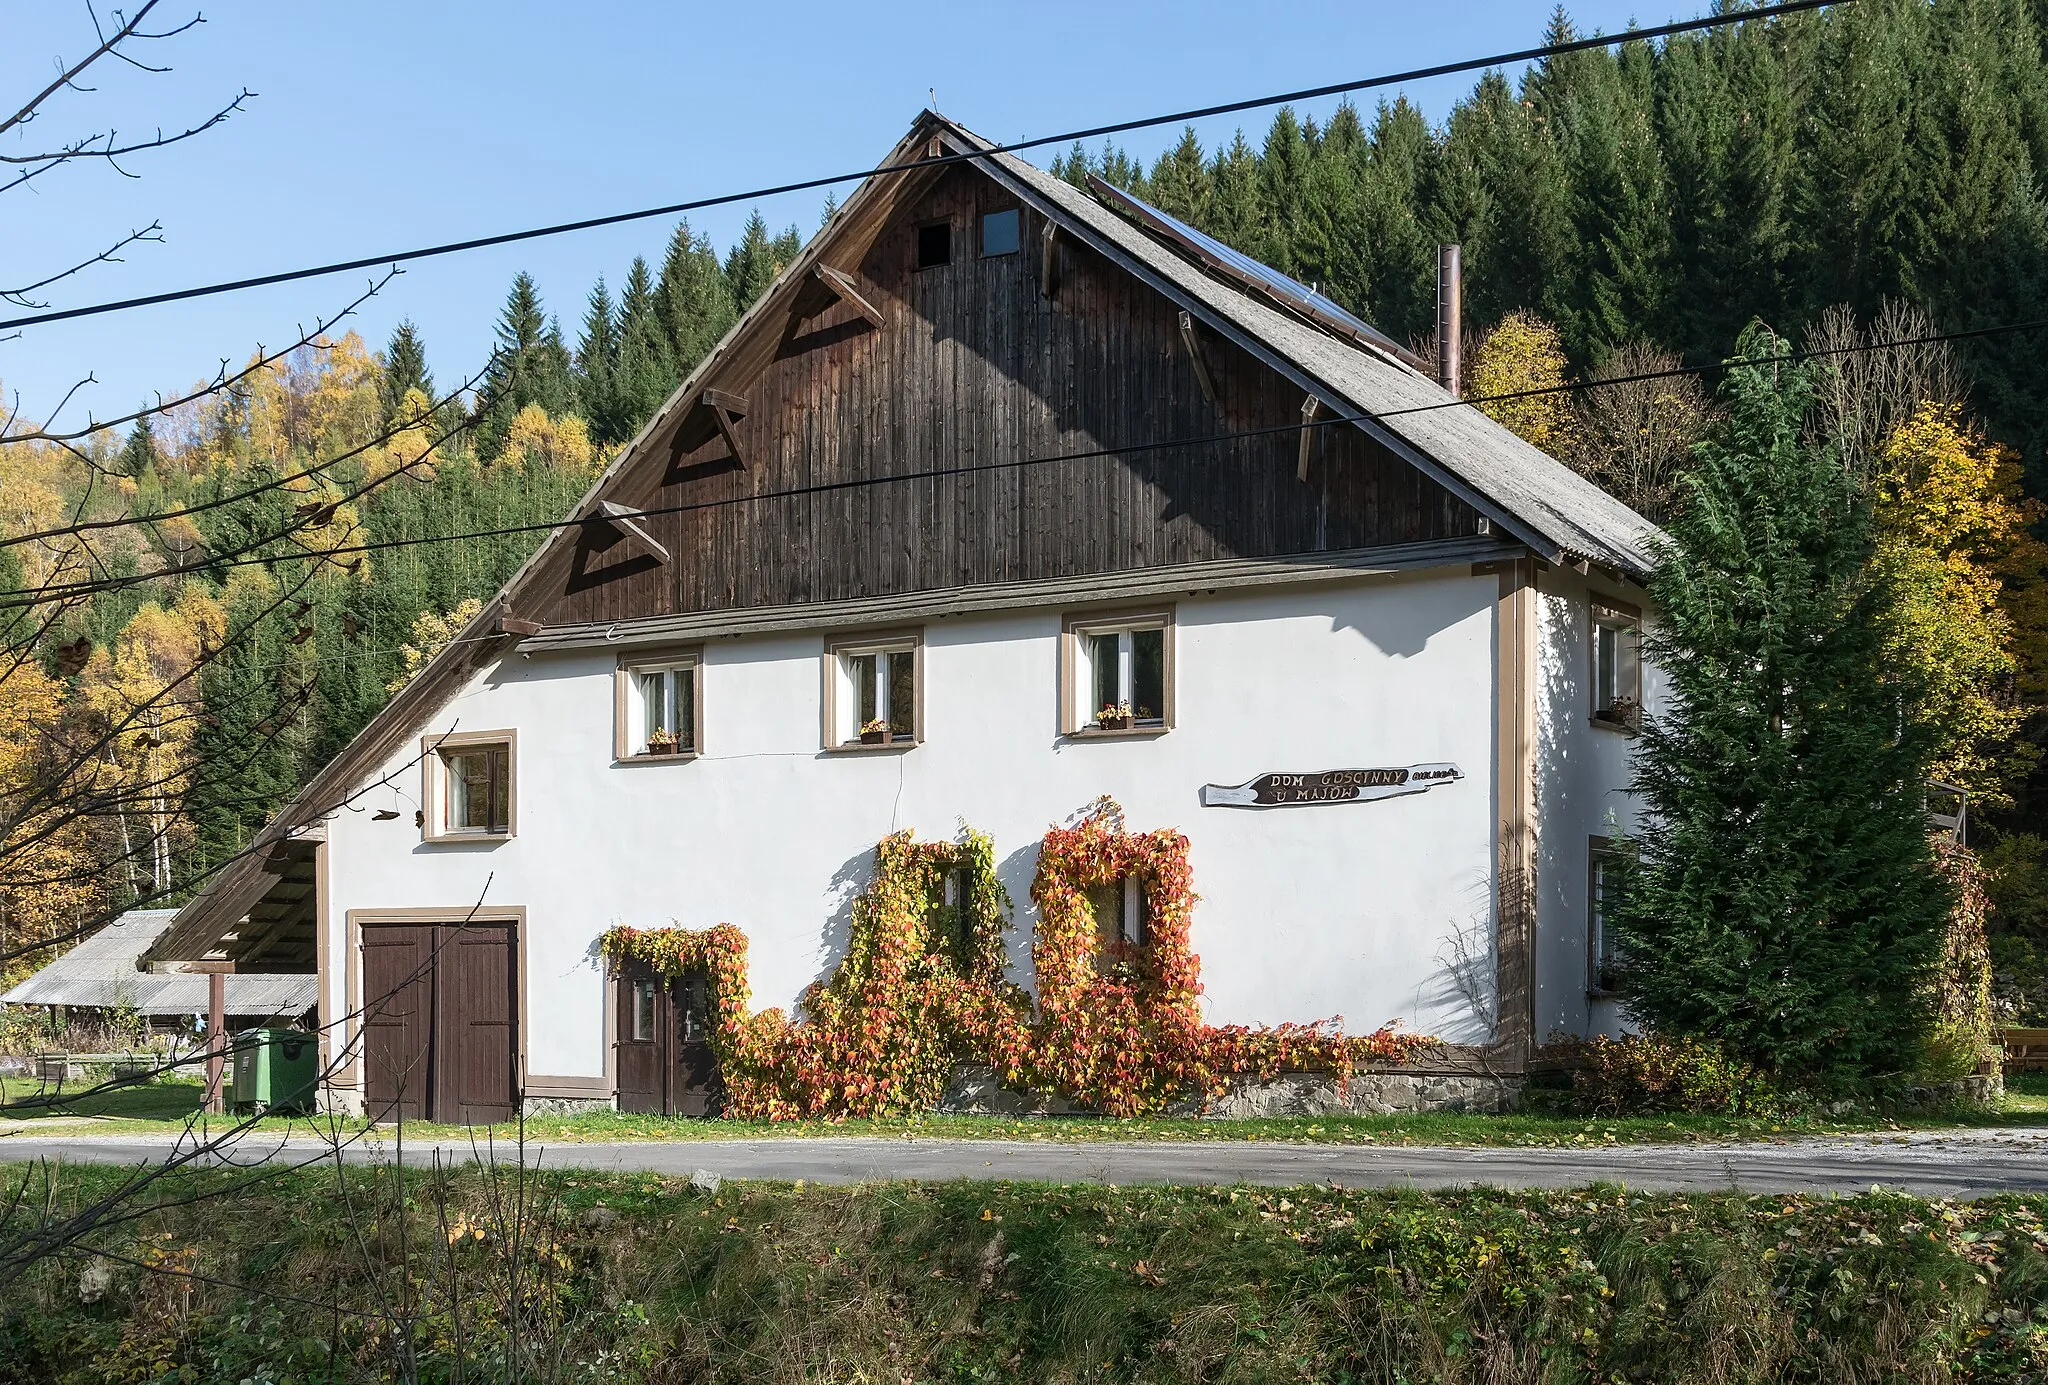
{"x": 322, "y": 1276}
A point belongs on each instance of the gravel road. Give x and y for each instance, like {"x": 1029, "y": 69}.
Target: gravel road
{"x": 1974, "y": 1163}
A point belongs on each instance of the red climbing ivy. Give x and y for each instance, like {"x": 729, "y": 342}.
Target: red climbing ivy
{"x": 1116, "y": 1026}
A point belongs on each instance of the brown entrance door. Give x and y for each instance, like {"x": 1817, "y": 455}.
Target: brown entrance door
{"x": 440, "y": 1018}
{"x": 665, "y": 1064}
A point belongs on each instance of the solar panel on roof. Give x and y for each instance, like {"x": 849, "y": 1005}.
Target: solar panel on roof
{"x": 1250, "y": 272}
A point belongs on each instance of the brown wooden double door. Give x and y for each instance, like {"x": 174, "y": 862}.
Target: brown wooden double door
{"x": 440, "y": 1022}
{"x": 665, "y": 1063}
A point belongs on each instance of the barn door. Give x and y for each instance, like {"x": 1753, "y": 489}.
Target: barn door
{"x": 640, "y": 1062}
{"x": 440, "y": 1022}
{"x": 693, "y": 1070}
{"x": 398, "y": 1021}
{"x": 477, "y": 1037}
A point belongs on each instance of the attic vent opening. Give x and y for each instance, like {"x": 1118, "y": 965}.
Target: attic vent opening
{"x": 934, "y": 245}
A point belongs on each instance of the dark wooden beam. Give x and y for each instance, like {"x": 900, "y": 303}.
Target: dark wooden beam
{"x": 725, "y": 420}
{"x": 1191, "y": 338}
{"x": 843, "y": 287}
{"x": 627, "y": 521}
{"x": 512, "y": 625}
{"x": 1049, "y": 258}
{"x": 734, "y": 404}
{"x": 1308, "y": 418}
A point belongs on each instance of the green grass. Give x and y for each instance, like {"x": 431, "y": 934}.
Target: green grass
{"x": 164, "y": 1107}
{"x": 326, "y": 1276}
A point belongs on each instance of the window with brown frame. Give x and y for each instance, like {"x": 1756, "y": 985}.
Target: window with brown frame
{"x": 874, "y": 692}
{"x": 1601, "y": 977}
{"x": 1117, "y": 674}
{"x": 1617, "y": 665}
{"x": 659, "y": 709}
{"x": 470, "y": 788}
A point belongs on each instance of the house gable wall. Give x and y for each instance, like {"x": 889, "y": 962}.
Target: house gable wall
{"x": 976, "y": 366}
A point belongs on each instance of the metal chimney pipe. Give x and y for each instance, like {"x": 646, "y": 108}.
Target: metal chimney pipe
{"x": 1450, "y": 316}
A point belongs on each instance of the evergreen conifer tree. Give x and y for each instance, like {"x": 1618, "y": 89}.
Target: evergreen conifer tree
{"x": 405, "y": 368}
{"x": 750, "y": 265}
{"x": 693, "y": 303}
{"x": 1782, "y": 902}
{"x": 597, "y": 369}
{"x": 532, "y": 367}
{"x": 138, "y": 454}
{"x": 648, "y": 365}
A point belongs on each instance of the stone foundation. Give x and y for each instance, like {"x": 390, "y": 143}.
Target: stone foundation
{"x": 566, "y": 1105}
{"x": 1367, "y": 1094}
{"x": 974, "y": 1091}
{"x": 1982, "y": 1091}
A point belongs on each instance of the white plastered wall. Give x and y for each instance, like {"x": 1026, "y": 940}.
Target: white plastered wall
{"x": 1582, "y": 776}
{"x": 1305, "y": 912}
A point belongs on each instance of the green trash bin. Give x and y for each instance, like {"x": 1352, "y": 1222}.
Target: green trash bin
{"x": 275, "y": 1070}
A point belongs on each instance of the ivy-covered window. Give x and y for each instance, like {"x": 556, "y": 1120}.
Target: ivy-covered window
{"x": 1122, "y": 914}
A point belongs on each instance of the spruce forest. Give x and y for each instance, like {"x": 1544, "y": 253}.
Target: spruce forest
{"x": 1857, "y": 179}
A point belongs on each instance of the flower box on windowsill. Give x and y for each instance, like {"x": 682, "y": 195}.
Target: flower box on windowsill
{"x": 1114, "y": 723}
{"x": 670, "y": 748}
{"x": 1624, "y": 715}
{"x": 874, "y": 738}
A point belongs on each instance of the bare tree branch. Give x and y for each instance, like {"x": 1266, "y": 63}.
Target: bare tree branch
{"x": 111, "y": 255}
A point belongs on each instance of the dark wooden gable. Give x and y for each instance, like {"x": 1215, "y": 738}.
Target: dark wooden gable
{"x": 963, "y": 379}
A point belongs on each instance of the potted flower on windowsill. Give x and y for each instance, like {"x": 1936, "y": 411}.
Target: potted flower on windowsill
{"x": 663, "y": 743}
{"x": 1624, "y": 712}
{"x": 1115, "y": 716}
{"x": 874, "y": 732}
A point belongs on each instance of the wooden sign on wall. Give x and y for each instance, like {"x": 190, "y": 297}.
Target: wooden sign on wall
{"x": 1328, "y": 786}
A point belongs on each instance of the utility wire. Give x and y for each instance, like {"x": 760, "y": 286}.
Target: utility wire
{"x": 1684, "y": 26}
{"x": 245, "y": 558}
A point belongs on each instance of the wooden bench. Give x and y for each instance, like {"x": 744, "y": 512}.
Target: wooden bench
{"x": 2026, "y": 1050}
{"x": 66, "y": 1068}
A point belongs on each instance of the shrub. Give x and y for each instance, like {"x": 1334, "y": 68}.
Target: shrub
{"x": 1647, "y": 1072}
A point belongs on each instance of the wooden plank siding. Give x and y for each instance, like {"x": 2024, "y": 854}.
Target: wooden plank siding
{"x": 975, "y": 366}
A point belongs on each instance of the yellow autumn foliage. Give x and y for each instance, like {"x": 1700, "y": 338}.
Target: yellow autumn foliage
{"x": 430, "y": 634}
{"x": 1523, "y": 352}
{"x": 537, "y": 439}
{"x": 1944, "y": 512}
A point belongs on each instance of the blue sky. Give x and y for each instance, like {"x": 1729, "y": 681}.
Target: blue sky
{"x": 379, "y": 126}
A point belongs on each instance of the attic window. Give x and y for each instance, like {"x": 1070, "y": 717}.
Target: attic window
{"x": 1000, "y": 233}
{"x": 935, "y": 245}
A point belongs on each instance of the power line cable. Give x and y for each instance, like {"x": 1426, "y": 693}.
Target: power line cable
{"x": 1418, "y": 74}
{"x": 246, "y": 557}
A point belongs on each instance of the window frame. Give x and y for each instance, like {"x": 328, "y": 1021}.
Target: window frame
{"x": 981, "y": 216}
{"x": 1077, "y": 717}
{"x": 1606, "y": 613}
{"x": 831, "y": 670}
{"x": 1600, "y": 852}
{"x": 434, "y": 752}
{"x": 917, "y": 244}
{"x": 625, "y": 698}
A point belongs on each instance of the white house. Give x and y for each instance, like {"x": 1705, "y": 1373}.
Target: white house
{"x": 992, "y": 457}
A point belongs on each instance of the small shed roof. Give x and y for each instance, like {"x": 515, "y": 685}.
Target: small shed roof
{"x": 100, "y": 972}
